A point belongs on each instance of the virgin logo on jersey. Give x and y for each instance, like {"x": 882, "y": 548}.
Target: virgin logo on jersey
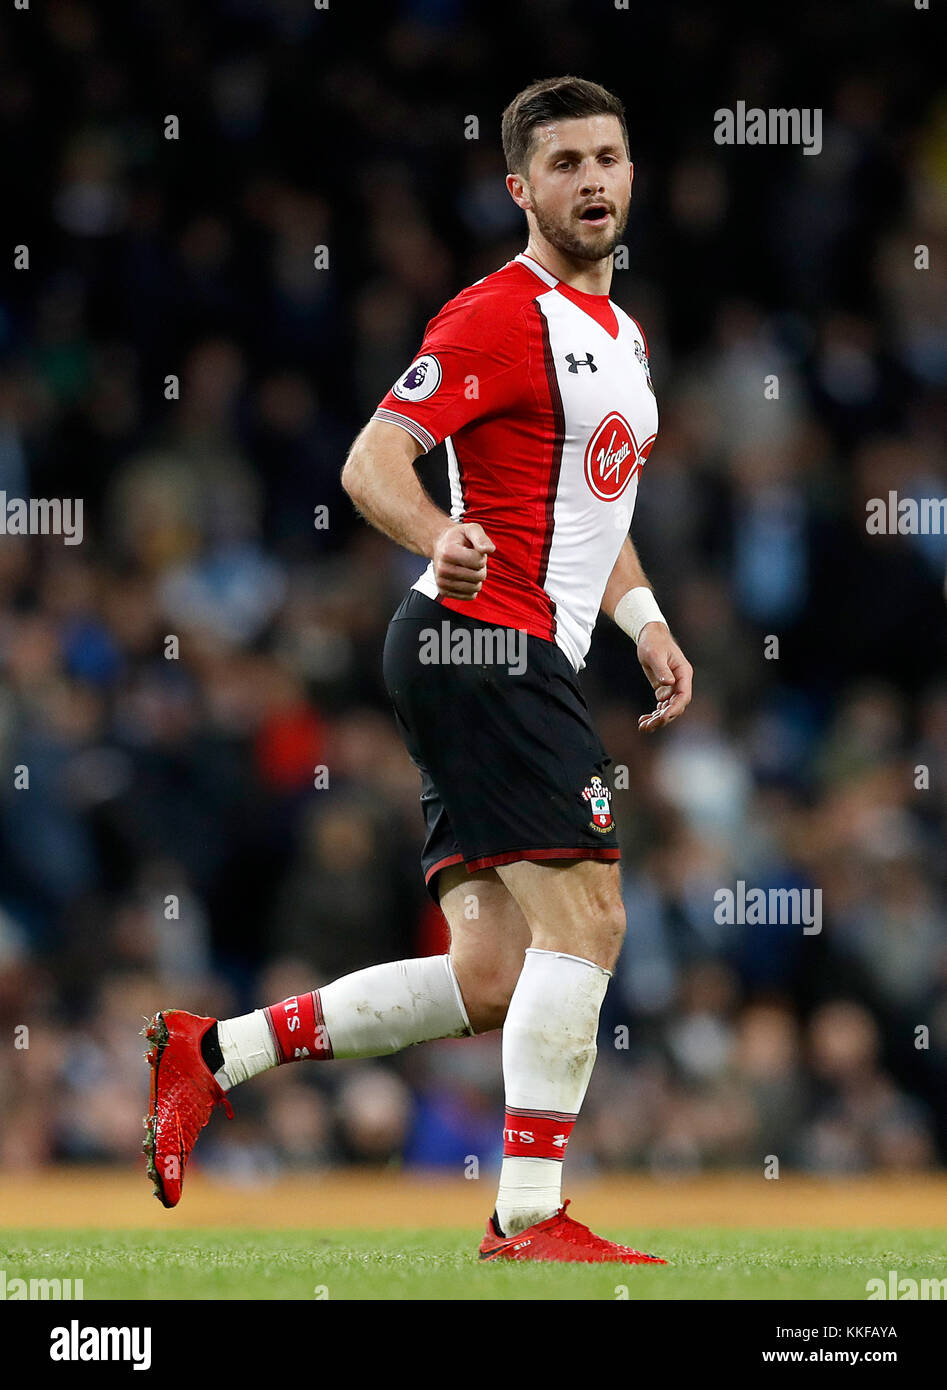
{"x": 613, "y": 457}
{"x": 420, "y": 381}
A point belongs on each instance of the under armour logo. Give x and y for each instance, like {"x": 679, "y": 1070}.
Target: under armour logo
{"x": 583, "y": 362}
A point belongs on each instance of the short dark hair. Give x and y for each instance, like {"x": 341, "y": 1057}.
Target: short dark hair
{"x": 553, "y": 99}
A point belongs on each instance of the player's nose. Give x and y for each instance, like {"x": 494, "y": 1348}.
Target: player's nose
{"x": 591, "y": 174}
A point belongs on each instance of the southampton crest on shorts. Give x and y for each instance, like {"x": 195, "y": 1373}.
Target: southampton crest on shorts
{"x": 598, "y": 796}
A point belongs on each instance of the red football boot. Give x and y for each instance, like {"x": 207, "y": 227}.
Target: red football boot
{"x": 560, "y": 1238}
{"x": 184, "y": 1095}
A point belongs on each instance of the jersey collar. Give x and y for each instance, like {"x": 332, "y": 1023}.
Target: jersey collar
{"x": 598, "y": 306}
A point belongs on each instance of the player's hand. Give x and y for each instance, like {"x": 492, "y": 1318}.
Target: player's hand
{"x": 669, "y": 672}
{"x": 460, "y": 559}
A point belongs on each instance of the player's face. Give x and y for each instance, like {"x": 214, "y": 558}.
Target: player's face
{"x": 579, "y": 185}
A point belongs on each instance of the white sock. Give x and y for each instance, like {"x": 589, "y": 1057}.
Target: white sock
{"x": 247, "y": 1047}
{"x": 385, "y": 1008}
{"x": 548, "y": 1054}
{"x": 370, "y": 1013}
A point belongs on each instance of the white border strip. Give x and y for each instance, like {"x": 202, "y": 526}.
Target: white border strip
{"x": 537, "y": 269}
{"x": 427, "y": 441}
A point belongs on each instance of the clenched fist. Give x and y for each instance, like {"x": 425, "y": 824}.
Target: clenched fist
{"x": 460, "y": 559}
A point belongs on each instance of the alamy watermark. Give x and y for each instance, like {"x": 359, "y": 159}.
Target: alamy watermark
{"x": 42, "y": 516}
{"x": 906, "y": 516}
{"x": 769, "y": 907}
{"x": 775, "y": 126}
{"x": 14, "y": 1290}
{"x": 906, "y": 1289}
{"x": 78, "y": 1343}
{"x": 479, "y": 646}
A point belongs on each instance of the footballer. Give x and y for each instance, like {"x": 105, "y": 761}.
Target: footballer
{"x": 539, "y": 387}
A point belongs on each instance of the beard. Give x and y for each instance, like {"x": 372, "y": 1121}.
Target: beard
{"x": 592, "y": 245}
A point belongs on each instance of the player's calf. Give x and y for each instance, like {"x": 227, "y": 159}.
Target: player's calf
{"x": 486, "y": 992}
{"x": 195, "y": 1061}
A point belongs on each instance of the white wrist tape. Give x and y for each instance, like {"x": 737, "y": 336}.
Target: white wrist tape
{"x": 634, "y": 609}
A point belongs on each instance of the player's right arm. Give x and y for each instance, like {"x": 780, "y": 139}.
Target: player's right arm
{"x": 470, "y": 365}
{"x": 380, "y": 478}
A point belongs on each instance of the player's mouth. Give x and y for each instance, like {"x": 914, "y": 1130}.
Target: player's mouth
{"x": 595, "y": 215}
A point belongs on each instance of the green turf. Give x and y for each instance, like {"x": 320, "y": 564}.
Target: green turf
{"x": 712, "y": 1263}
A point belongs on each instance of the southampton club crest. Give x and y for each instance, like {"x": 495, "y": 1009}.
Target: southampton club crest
{"x": 598, "y": 797}
{"x": 642, "y": 357}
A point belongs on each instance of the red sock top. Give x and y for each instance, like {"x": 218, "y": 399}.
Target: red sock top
{"x": 298, "y": 1028}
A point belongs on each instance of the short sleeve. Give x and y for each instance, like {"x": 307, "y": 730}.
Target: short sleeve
{"x": 473, "y": 363}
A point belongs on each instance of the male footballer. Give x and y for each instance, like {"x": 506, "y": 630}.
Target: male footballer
{"x": 539, "y": 387}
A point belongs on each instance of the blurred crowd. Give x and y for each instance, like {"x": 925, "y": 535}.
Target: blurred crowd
{"x": 228, "y": 817}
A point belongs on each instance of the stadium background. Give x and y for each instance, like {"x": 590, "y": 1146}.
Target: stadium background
{"x": 148, "y": 777}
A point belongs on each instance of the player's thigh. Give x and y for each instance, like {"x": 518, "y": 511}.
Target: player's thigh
{"x": 489, "y": 937}
{"x": 571, "y": 905}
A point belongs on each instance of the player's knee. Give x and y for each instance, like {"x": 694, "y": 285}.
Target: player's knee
{"x": 487, "y": 996}
{"x": 495, "y": 996}
{"x": 605, "y": 927}
{"x": 597, "y": 937}
{"x": 611, "y": 933}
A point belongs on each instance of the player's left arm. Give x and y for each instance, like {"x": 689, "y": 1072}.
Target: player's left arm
{"x": 628, "y": 599}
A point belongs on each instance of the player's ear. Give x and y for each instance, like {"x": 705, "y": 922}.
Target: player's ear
{"x": 518, "y": 192}
{"x": 631, "y": 175}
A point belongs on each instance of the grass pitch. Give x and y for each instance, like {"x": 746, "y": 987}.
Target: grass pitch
{"x": 705, "y": 1264}
{"x": 388, "y": 1236}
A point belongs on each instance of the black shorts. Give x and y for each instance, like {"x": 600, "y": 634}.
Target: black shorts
{"x": 511, "y": 767}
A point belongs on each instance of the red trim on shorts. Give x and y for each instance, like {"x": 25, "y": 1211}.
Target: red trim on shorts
{"x": 443, "y": 864}
{"x": 491, "y": 860}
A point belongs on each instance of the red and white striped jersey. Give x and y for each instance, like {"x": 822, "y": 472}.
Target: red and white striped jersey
{"x": 543, "y": 398}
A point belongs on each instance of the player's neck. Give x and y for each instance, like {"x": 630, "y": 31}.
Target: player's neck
{"x": 593, "y": 277}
